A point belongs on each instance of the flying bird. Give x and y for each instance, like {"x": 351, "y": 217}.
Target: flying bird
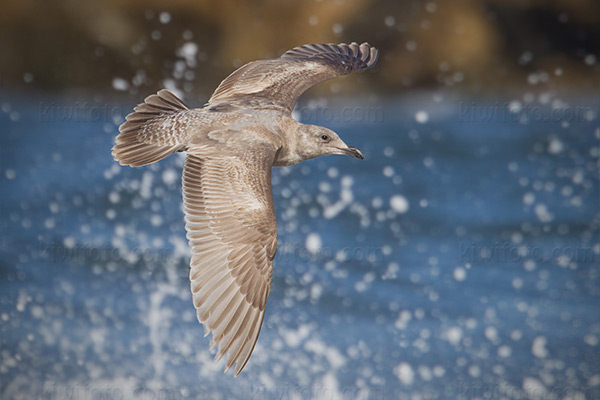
{"x": 232, "y": 143}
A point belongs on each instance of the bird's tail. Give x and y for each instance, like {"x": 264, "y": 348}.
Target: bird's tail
{"x": 153, "y": 131}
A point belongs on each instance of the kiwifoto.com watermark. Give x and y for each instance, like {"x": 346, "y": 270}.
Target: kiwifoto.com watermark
{"x": 502, "y": 252}
{"x": 530, "y": 389}
{"x": 286, "y": 252}
{"x": 79, "y": 112}
{"x": 365, "y": 115}
{"x": 516, "y": 111}
{"x": 319, "y": 391}
{"x": 81, "y": 253}
{"x": 54, "y": 390}
{"x": 82, "y": 391}
{"x": 94, "y": 112}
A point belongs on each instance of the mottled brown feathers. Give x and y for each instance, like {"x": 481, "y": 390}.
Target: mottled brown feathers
{"x": 231, "y": 228}
{"x": 281, "y": 81}
{"x": 232, "y": 145}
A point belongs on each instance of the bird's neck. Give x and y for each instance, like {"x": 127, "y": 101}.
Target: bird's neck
{"x": 290, "y": 152}
{"x": 285, "y": 158}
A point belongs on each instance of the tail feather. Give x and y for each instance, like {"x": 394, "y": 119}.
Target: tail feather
{"x": 156, "y": 129}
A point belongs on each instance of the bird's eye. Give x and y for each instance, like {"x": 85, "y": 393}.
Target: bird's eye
{"x": 324, "y": 138}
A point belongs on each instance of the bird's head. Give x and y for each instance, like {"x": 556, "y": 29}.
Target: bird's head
{"x": 318, "y": 141}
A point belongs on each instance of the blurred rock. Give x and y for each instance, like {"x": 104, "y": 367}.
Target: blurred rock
{"x": 469, "y": 45}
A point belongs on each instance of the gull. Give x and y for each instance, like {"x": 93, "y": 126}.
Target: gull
{"x": 232, "y": 143}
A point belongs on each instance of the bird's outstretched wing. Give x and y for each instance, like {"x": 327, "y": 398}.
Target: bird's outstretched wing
{"x": 281, "y": 81}
{"x": 231, "y": 227}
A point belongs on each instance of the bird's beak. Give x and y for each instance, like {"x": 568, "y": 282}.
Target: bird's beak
{"x": 352, "y": 151}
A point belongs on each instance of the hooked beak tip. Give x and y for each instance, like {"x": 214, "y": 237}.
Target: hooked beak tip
{"x": 354, "y": 152}
{"x": 351, "y": 151}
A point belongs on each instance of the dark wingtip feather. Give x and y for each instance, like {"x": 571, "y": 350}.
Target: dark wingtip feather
{"x": 353, "y": 57}
{"x": 374, "y": 56}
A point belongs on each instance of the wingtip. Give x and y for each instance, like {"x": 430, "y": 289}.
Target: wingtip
{"x": 373, "y": 57}
{"x": 219, "y": 356}
{"x": 235, "y": 373}
{"x": 117, "y": 156}
{"x": 164, "y": 93}
{"x": 367, "y": 54}
{"x": 240, "y": 366}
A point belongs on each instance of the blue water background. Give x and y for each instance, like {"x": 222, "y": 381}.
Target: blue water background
{"x": 460, "y": 259}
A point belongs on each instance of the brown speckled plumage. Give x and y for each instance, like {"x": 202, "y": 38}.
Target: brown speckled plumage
{"x": 232, "y": 143}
